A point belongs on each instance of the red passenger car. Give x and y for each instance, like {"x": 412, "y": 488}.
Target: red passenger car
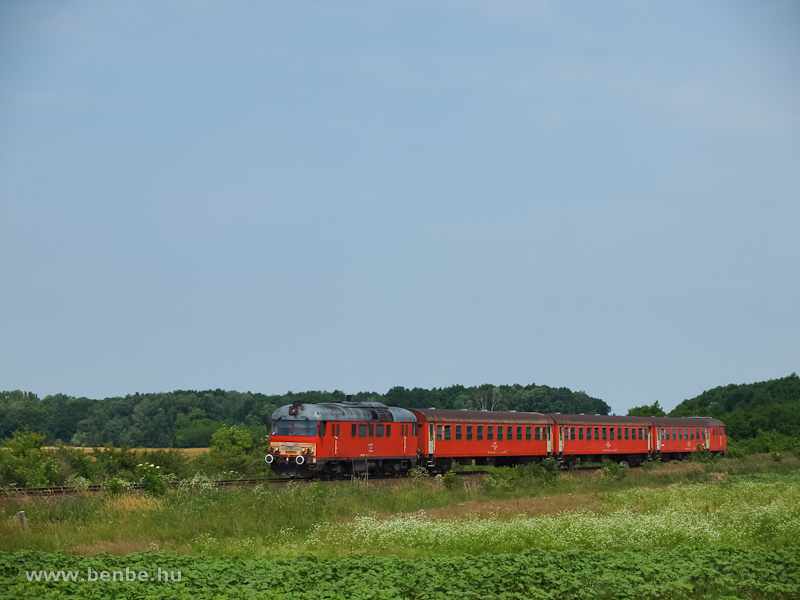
{"x": 676, "y": 437}
{"x": 592, "y": 437}
{"x": 488, "y": 438}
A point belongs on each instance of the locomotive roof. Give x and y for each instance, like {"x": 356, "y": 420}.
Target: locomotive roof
{"x": 345, "y": 411}
{"x": 443, "y": 415}
{"x": 687, "y": 422}
{"x": 602, "y": 420}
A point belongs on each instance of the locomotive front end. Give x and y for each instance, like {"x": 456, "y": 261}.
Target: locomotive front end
{"x": 294, "y": 440}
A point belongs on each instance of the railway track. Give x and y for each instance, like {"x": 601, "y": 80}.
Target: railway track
{"x": 62, "y": 490}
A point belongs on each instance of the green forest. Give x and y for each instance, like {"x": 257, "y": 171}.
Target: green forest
{"x": 765, "y": 415}
{"x": 188, "y": 419}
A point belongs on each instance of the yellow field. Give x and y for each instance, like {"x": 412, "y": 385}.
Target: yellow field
{"x": 190, "y": 452}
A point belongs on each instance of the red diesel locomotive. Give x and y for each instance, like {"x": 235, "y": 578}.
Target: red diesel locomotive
{"x": 358, "y": 437}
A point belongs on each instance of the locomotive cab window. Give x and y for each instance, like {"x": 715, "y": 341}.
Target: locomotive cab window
{"x": 286, "y": 427}
{"x": 282, "y": 427}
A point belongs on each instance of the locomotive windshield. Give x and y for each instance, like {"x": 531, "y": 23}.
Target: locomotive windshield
{"x": 286, "y": 427}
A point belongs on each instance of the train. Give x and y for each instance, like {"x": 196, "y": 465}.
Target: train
{"x": 359, "y": 438}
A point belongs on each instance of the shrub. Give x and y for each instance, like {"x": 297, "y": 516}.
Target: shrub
{"x": 450, "y": 480}
{"x": 153, "y": 479}
{"x": 702, "y": 456}
{"x": 501, "y": 478}
{"x": 615, "y": 470}
{"x": 115, "y": 486}
{"x": 417, "y": 475}
{"x": 23, "y": 463}
{"x": 78, "y": 483}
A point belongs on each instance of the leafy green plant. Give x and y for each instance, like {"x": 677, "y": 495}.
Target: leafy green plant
{"x": 615, "y": 470}
{"x": 417, "y": 475}
{"x": 114, "y": 486}
{"x": 153, "y": 479}
{"x": 450, "y": 480}
{"x": 651, "y": 465}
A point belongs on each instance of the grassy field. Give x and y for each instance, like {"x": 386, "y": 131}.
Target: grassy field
{"x": 738, "y": 503}
{"x": 724, "y": 530}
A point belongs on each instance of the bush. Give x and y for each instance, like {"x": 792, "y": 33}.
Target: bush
{"x": 115, "y": 486}
{"x": 417, "y": 475}
{"x": 650, "y": 465}
{"x": 153, "y": 479}
{"x": 702, "y": 456}
{"x": 78, "y": 483}
{"x": 501, "y": 478}
{"x": 615, "y": 470}
{"x": 545, "y": 472}
{"x": 23, "y": 463}
{"x": 451, "y": 480}
{"x": 235, "y": 451}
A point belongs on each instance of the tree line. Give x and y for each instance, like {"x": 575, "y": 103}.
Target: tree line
{"x": 188, "y": 418}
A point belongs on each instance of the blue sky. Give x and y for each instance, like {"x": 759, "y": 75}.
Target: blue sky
{"x": 275, "y": 196}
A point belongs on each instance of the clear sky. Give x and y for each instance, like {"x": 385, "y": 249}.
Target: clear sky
{"x": 274, "y": 196}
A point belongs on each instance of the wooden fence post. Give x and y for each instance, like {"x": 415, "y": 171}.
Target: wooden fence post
{"x": 22, "y": 521}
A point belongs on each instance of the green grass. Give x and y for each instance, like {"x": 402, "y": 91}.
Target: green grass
{"x": 744, "y": 503}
